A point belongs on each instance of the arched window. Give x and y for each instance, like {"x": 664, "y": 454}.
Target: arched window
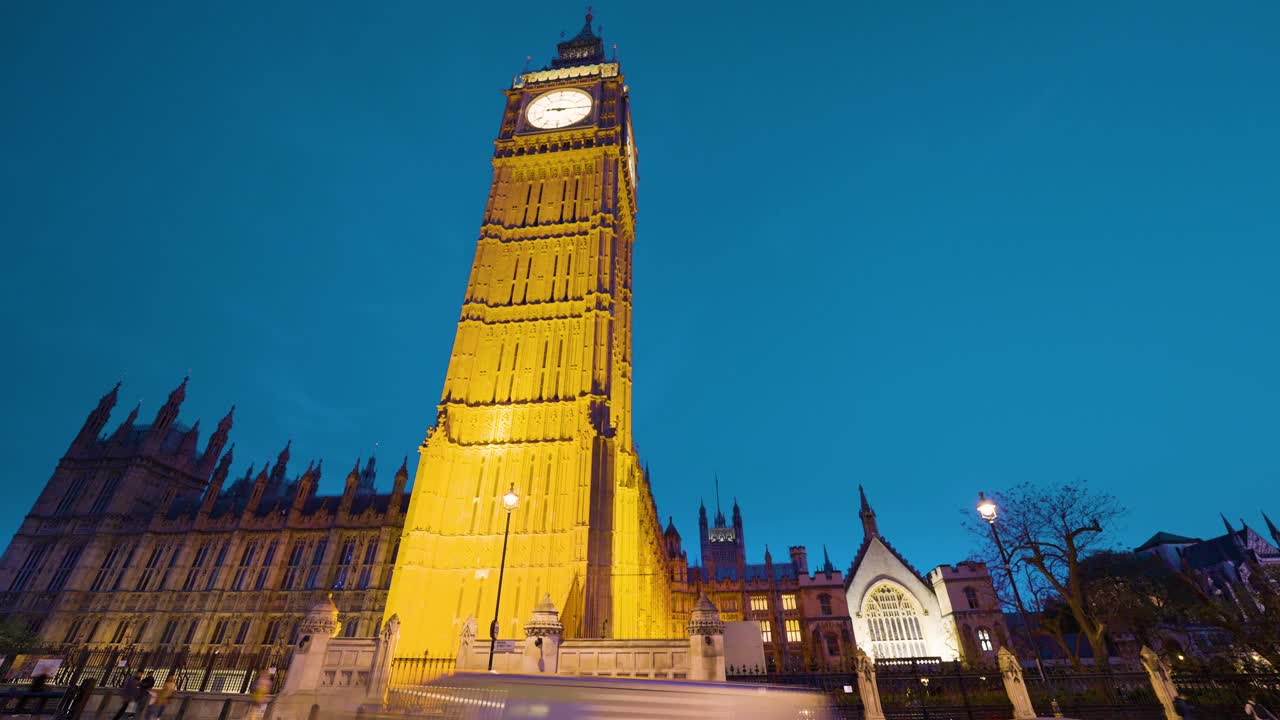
{"x": 824, "y": 600}
{"x": 894, "y": 622}
{"x": 984, "y": 639}
{"x": 971, "y": 596}
{"x": 833, "y": 645}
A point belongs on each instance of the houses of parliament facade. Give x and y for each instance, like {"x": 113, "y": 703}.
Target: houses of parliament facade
{"x": 143, "y": 537}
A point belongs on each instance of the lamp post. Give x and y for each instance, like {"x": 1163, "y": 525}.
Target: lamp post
{"x": 988, "y": 511}
{"x": 510, "y": 501}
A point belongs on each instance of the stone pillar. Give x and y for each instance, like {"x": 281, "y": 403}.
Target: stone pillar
{"x": 1161, "y": 681}
{"x": 542, "y": 636}
{"x": 382, "y": 658}
{"x": 318, "y": 627}
{"x": 706, "y": 642}
{"x": 868, "y": 688}
{"x": 1011, "y": 673}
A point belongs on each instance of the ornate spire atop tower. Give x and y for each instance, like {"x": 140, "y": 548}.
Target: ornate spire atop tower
{"x": 169, "y": 411}
{"x": 719, "y": 514}
{"x": 1227, "y": 524}
{"x": 869, "y": 528}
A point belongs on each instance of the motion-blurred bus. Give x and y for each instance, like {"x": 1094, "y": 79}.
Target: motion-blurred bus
{"x": 475, "y": 696}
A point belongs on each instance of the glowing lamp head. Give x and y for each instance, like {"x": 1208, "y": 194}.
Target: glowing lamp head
{"x": 986, "y": 508}
{"x": 510, "y": 501}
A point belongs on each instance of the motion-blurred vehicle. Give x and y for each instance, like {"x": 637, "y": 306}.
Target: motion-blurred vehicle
{"x": 475, "y": 696}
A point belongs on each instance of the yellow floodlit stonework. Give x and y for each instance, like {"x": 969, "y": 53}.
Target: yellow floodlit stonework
{"x": 538, "y": 392}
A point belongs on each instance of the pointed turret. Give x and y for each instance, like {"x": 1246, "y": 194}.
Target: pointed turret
{"x": 306, "y": 486}
{"x": 368, "y": 476}
{"x": 671, "y": 538}
{"x": 97, "y": 419}
{"x": 702, "y": 517}
{"x": 1227, "y": 524}
{"x": 1272, "y": 529}
{"x": 126, "y": 427}
{"x": 255, "y": 494}
{"x": 216, "y": 442}
{"x": 719, "y": 515}
{"x": 165, "y": 417}
{"x": 349, "y": 490}
{"x": 219, "y": 478}
{"x": 282, "y": 464}
{"x": 869, "y": 528}
{"x": 827, "y": 567}
{"x": 397, "y": 489}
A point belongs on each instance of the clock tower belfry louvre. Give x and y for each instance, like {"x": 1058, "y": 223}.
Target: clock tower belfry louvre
{"x": 538, "y": 390}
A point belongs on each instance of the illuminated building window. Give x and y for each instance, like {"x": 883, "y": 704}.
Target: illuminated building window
{"x": 345, "y": 557}
{"x": 971, "y": 597}
{"x": 317, "y": 562}
{"x": 151, "y": 568}
{"x": 219, "y": 633}
{"x": 65, "y": 567}
{"x": 984, "y": 639}
{"x": 170, "y": 629}
{"x": 217, "y": 565}
{"x": 242, "y": 633}
{"x": 202, "y": 554}
{"x": 759, "y": 602}
{"x": 128, "y": 562}
{"x": 272, "y": 633}
{"x": 793, "y": 631}
{"x": 267, "y": 560}
{"x": 73, "y": 632}
{"x": 366, "y": 572}
{"x": 73, "y": 493}
{"x": 391, "y": 564}
{"x": 104, "y": 497}
{"x": 121, "y": 630}
{"x": 788, "y": 601}
{"x": 351, "y": 627}
{"x": 102, "y": 580}
{"x": 894, "y": 622}
{"x": 766, "y": 631}
{"x": 246, "y": 567}
{"x": 293, "y": 570}
{"x": 824, "y": 601}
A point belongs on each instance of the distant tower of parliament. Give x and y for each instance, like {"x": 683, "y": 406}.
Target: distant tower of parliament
{"x": 538, "y": 390}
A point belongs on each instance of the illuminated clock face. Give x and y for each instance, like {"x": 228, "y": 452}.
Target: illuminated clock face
{"x": 559, "y": 108}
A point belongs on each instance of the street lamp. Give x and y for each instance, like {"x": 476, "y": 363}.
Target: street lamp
{"x": 510, "y": 501}
{"x": 988, "y": 511}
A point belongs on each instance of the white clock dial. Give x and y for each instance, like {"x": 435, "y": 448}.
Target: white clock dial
{"x": 558, "y": 108}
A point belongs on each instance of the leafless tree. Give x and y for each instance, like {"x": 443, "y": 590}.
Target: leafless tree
{"x": 1048, "y": 531}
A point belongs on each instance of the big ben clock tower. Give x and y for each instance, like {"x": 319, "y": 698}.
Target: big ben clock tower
{"x": 538, "y": 392}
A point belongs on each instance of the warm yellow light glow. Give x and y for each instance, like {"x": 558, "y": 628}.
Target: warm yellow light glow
{"x": 986, "y": 508}
{"x": 538, "y": 394}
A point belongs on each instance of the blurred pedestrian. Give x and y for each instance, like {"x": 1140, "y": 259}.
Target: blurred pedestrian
{"x": 162, "y": 697}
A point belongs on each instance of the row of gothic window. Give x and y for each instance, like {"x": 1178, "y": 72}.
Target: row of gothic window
{"x": 225, "y": 631}
{"x": 250, "y": 573}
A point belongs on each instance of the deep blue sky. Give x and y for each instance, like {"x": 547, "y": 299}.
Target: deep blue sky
{"x": 928, "y": 247}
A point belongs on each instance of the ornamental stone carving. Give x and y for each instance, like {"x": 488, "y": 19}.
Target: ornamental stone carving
{"x": 705, "y": 619}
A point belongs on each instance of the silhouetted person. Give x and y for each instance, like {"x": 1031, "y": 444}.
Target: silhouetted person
{"x": 1185, "y": 710}
{"x": 1255, "y": 711}
{"x": 129, "y": 694}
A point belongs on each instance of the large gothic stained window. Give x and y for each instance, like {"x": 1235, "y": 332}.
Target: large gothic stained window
{"x": 894, "y": 622}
